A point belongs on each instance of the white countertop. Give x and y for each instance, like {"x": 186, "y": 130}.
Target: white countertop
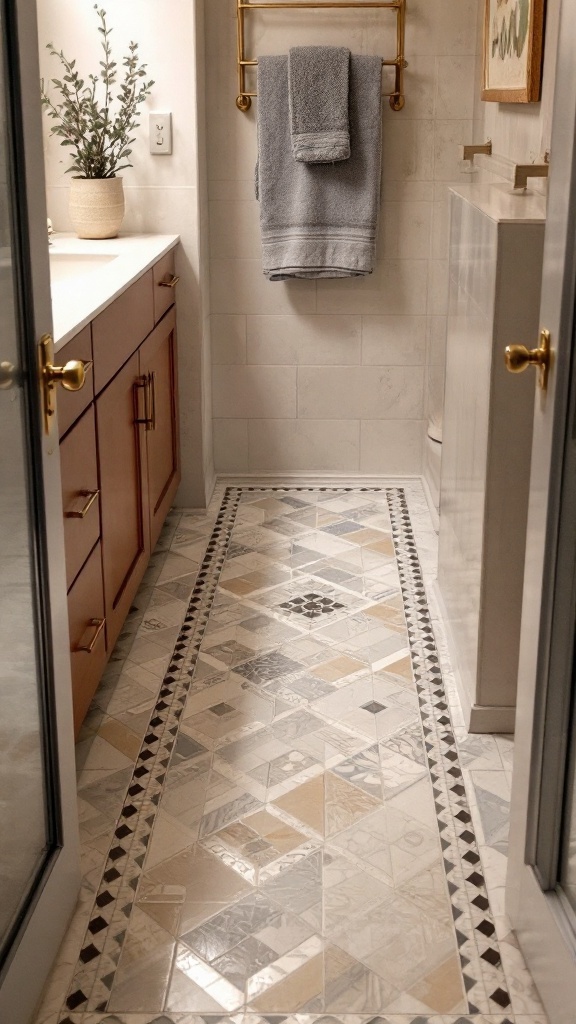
{"x": 76, "y": 300}
{"x": 504, "y": 204}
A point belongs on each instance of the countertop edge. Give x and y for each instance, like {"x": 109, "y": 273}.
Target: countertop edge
{"x": 501, "y": 204}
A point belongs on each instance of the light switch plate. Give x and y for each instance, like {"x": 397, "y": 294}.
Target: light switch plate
{"x": 160, "y": 125}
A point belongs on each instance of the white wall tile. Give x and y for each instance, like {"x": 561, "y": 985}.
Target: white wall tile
{"x": 311, "y": 340}
{"x": 441, "y": 27}
{"x": 405, "y": 230}
{"x": 235, "y": 229}
{"x": 438, "y": 287}
{"x": 391, "y": 447}
{"x": 408, "y": 150}
{"x": 455, "y": 87}
{"x": 437, "y": 340}
{"x": 228, "y": 335}
{"x": 239, "y": 286}
{"x": 448, "y": 137}
{"x": 393, "y": 340}
{"x": 360, "y": 392}
{"x": 293, "y": 445}
{"x": 231, "y": 446}
{"x": 396, "y": 286}
{"x": 440, "y": 235}
{"x": 407, "y": 191}
{"x": 257, "y": 392}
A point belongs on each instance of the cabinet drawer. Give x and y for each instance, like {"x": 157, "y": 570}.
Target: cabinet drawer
{"x": 71, "y": 404}
{"x": 87, "y": 635}
{"x": 164, "y": 285}
{"x": 120, "y": 329}
{"x": 80, "y": 493}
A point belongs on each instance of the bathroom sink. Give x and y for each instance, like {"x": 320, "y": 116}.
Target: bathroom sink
{"x": 69, "y": 266}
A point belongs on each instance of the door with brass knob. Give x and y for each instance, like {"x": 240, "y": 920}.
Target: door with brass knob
{"x": 519, "y": 358}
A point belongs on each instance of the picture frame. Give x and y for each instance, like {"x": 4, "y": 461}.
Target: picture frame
{"x": 512, "y": 52}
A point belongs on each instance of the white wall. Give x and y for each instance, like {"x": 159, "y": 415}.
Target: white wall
{"x": 521, "y": 131}
{"x": 333, "y": 375}
{"x": 163, "y": 194}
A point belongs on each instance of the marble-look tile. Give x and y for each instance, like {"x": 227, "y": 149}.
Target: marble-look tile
{"x": 294, "y": 864}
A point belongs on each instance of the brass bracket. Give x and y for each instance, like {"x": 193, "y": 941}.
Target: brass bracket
{"x": 518, "y": 357}
{"x": 469, "y": 152}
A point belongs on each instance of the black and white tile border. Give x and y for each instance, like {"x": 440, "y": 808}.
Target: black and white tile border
{"x": 90, "y": 990}
{"x": 475, "y": 931}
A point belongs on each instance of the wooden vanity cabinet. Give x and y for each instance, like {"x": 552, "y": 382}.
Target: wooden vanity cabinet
{"x": 120, "y": 465}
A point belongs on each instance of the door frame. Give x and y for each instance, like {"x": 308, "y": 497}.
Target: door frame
{"x": 535, "y": 907}
{"x": 47, "y": 917}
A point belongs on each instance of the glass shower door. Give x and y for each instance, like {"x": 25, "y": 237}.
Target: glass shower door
{"x": 38, "y": 830}
{"x": 28, "y": 807}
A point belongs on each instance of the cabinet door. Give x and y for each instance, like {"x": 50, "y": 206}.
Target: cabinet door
{"x": 158, "y": 369}
{"x": 125, "y": 529}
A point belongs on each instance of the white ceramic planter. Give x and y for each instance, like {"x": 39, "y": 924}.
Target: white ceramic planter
{"x": 96, "y": 206}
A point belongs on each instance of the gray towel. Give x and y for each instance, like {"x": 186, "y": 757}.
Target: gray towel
{"x": 318, "y": 83}
{"x": 318, "y": 220}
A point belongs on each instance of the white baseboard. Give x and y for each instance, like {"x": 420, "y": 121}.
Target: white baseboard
{"x": 478, "y": 718}
{"x": 305, "y": 479}
{"x": 491, "y": 719}
{"x": 434, "y": 514}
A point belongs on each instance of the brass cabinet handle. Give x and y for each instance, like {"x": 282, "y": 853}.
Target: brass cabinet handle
{"x": 169, "y": 281}
{"x": 142, "y": 383}
{"x": 152, "y": 393}
{"x": 87, "y": 641}
{"x": 518, "y": 357}
{"x": 82, "y": 512}
{"x": 72, "y": 376}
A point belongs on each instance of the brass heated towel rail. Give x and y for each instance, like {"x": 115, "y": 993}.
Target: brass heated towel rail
{"x": 244, "y": 98}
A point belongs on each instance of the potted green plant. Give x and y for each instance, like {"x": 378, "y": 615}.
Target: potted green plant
{"x": 95, "y": 118}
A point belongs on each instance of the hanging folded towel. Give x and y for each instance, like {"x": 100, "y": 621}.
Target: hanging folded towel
{"x": 318, "y": 220}
{"x": 318, "y": 83}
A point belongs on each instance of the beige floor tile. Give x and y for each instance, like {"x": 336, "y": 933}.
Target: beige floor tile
{"x": 295, "y": 992}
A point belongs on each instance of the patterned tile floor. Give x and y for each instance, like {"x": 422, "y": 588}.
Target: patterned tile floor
{"x": 282, "y": 816}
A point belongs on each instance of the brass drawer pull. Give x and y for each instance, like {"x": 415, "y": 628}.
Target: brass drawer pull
{"x": 87, "y": 642}
{"x": 169, "y": 281}
{"x": 152, "y": 393}
{"x": 81, "y": 513}
{"x": 148, "y": 383}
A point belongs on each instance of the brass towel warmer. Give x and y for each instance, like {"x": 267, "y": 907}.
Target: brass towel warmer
{"x": 244, "y": 99}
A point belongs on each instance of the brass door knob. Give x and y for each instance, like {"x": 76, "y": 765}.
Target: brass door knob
{"x": 7, "y": 376}
{"x": 72, "y": 376}
{"x": 518, "y": 357}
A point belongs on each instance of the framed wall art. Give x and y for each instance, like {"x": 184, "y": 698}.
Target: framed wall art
{"x": 513, "y": 36}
